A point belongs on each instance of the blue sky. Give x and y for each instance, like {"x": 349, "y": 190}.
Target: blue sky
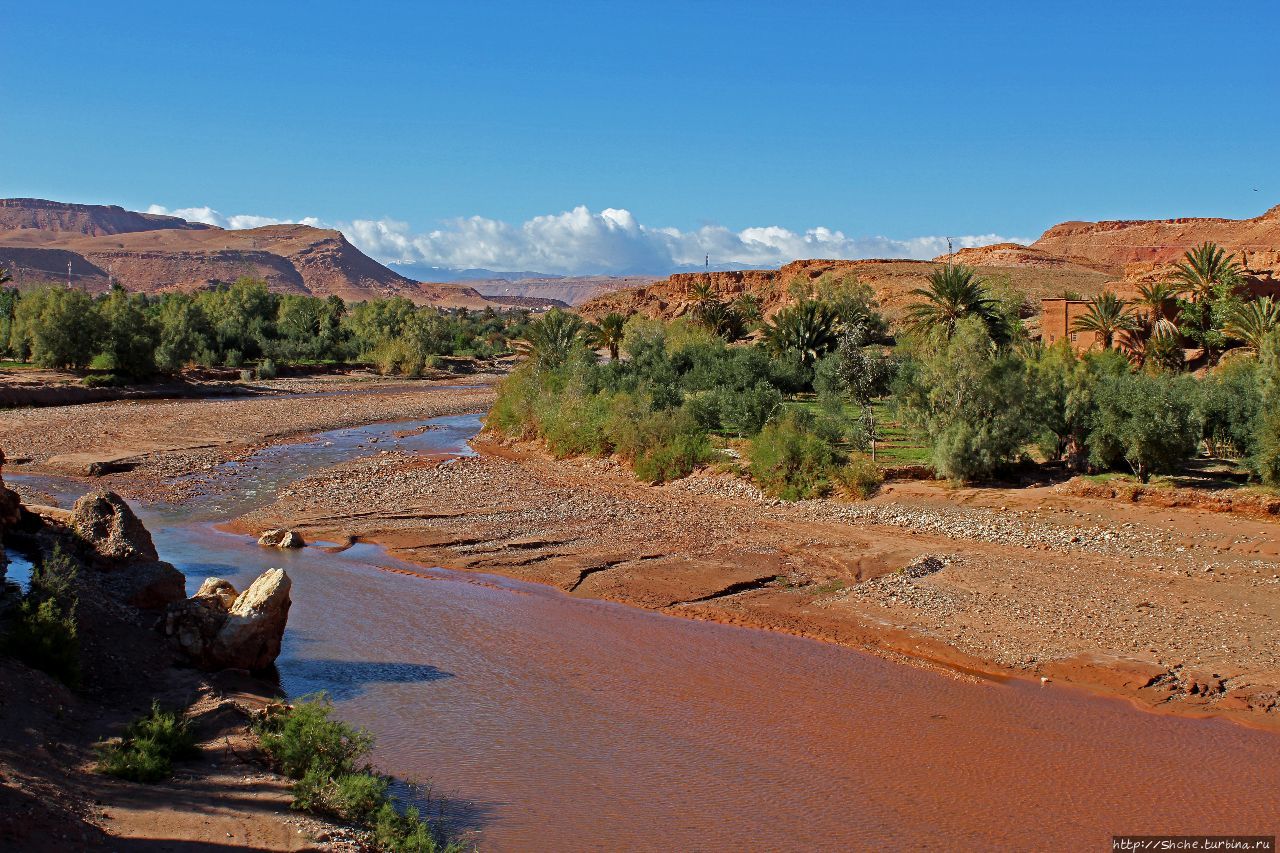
{"x": 709, "y": 120}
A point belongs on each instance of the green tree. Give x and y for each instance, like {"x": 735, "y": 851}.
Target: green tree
{"x": 1147, "y": 421}
{"x": 9, "y": 298}
{"x": 864, "y": 374}
{"x": 551, "y": 338}
{"x": 1228, "y": 403}
{"x": 973, "y": 401}
{"x": 955, "y": 292}
{"x": 128, "y": 335}
{"x": 59, "y": 328}
{"x": 1205, "y": 269}
{"x": 1266, "y": 438}
{"x": 608, "y": 333}
{"x": 1251, "y": 322}
{"x": 1107, "y": 316}
{"x": 185, "y": 334}
{"x": 1211, "y": 277}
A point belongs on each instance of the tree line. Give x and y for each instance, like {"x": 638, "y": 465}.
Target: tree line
{"x": 961, "y": 370}
{"x": 136, "y": 335}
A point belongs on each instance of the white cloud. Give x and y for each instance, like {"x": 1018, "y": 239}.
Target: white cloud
{"x": 236, "y": 222}
{"x": 579, "y": 241}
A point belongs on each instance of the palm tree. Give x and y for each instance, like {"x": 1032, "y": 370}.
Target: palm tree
{"x": 1252, "y": 321}
{"x": 608, "y": 334}
{"x": 1158, "y": 298}
{"x": 551, "y": 338}
{"x": 808, "y": 327}
{"x": 1205, "y": 268}
{"x": 748, "y": 307}
{"x": 702, "y": 290}
{"x": 1108, "y": 315}
{"x": 955, "y": 291}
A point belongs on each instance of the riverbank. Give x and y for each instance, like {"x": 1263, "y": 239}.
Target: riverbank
{"x": 158, "y": 449}
{"x": 997, "y": 583}
{"x": 1174, "y": 609}
{"x": 150, "y": 450}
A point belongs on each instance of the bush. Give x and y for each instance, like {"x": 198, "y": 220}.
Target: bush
{"x": 104, "y": 380}
{"x": 45, "y": 635}
{"x": 406, "y": 833}
{"x": 661, "y": 446}
{"x": 149, "y": 747}
{"x": 860, "y": 478}
{"x": 796, "y": 457}
{"x": 327, "y": 758}
{"x": 266, "y": 369}
{"x": 304, "y": 738}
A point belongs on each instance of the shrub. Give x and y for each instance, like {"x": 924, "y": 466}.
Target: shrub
{"x": 104, "y": 380}
{"x": 149, "y": 747}
{"x": 574, "y": 424}
{"x": 304, "y": 738}
{"x": 45, "y": 635}
{"x": 266, "y": 369}
{"x": 860, "y": 478}
{"x": 661, "y": 446}
{"x": 327, "y": 758}
{"x": 406, "y": 833}
{"x": 796, "y": 457}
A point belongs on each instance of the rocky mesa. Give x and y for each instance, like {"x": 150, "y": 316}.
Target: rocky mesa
{"x": 44, "y": 241}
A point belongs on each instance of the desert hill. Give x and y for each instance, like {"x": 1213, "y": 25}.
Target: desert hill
{"x": 1137, "y": 249}
{"x": 55, "y": 217}
{"x": 892, "y": 281}
{"x": 150, "y": 253}
{"x": 1082, "y": 258}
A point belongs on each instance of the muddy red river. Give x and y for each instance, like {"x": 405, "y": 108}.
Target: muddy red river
{"x": 549, "y": 722}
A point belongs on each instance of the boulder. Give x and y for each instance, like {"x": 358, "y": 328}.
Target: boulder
{"x": 122, "y": 552}
{"x": 281, "y": 539}
{"x": 217, "y": 588}
{"x": 105, "y": 523}
{"x": 243, "y": 634}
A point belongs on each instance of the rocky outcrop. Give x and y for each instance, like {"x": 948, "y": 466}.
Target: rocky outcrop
{"x": 281, "y": 539}
{"x": 150, "y": 253}
{"x": 891, "y": 280}
{"x": 87, "y": 219}
{"x": 1117, "y": 243}
{"x": 119, "y": 548}
{"x": 106, "y": 523}
{"x": 216, "y": 629}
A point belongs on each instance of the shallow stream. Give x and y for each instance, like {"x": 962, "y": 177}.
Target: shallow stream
{"x": 550, "y": 722}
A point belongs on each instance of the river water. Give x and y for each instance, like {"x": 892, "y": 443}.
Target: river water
{"x": 550, "y": 722}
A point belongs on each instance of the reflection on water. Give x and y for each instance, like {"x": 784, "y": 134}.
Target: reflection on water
{"x": 16, "y": 574}
{"x": 558, "y": 723}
